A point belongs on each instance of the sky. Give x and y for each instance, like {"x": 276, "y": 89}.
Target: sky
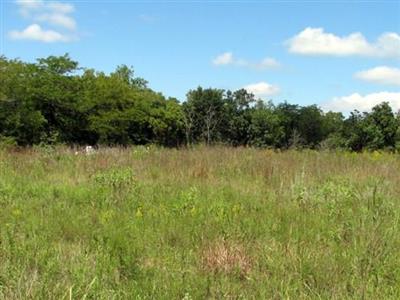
{"x": 341, "y": 55}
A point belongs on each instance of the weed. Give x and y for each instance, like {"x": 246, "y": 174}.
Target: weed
{"x": 199, "y": 223}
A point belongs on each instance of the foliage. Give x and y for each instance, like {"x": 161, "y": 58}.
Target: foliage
{"x": 56, "y": 101}
{"x": 7, "y": 142}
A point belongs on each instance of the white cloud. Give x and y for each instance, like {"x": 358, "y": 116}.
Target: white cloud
{"x": 57, "y": 19}
{"x": 227, "y": 58}
{"x": 315, "y": 41}
{"x": 223, "y": 59}
{"x": 27, "y": 6}
{"x": 30, "y": 6}
{"x": 60, "y": 7}
{"x": 381, "y": 75}
{"x": 268, "y": 62}
{"x": 362, "y": 103}
{"x": 36, "y": 33}
{"x": 54, "y": 13}
{"x": 262, "y": 89}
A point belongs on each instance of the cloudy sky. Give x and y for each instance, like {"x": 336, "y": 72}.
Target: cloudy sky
{"x": 341, "y": 55}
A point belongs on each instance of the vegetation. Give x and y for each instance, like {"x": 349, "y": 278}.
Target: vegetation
{"x": 171, "y": 222}
{"x": 55, "y": 101}
{"x": 210, "y": 222}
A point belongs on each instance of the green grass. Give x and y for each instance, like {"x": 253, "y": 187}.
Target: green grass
{"x": 211, "y": 223}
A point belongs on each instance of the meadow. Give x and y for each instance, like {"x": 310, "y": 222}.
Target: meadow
{"x": 201, "y": 223}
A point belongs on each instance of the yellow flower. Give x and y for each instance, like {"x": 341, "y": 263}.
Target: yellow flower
{"x": 16, "y": 212}
{"x": 138, "y": 213}
{"x": 193, "y": 210}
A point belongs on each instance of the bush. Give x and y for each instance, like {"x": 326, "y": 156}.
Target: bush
{"x": 7, "y": 142}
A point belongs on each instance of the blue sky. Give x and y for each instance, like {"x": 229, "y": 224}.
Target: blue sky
{"x": 341, "y": 55}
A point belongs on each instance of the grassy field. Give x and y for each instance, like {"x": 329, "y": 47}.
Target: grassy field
{"x": 204, "y": 223}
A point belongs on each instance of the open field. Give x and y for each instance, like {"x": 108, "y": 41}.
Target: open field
{"x": 213, "y": 223}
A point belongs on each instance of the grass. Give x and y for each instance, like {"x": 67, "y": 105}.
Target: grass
{"x": 212, "y": 223}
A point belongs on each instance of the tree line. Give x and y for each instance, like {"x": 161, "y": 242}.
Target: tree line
{"x": 55, "y": 101}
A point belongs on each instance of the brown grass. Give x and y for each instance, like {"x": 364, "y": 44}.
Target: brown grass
{"x": 222, "y": 256}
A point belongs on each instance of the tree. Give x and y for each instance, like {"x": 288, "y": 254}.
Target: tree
{"x": 56, "y": 101}
{"x": 397, "y": 138}
{"x": 310, "y": 125}
{"x": 19, "y": 116}
{"x": 352, "y": 131}
{"x": 266, "y": 129}
{"x": 372, "y": 131}
{"x": 207, "y": 106}
{"x": 126, "y": 74}
{"x": 288, "y": 115}
{"x": 237, "y": 113}
{"x": 333, "y": 128}
{"x": 61, "y": 65}
{"x": 188, "y": 121}
{"x": 383, "y": 120}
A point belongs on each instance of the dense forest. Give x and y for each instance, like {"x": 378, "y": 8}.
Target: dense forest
{"x": 55, "y": 101}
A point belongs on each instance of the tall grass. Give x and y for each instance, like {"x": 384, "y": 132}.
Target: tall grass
{"x": 215, "y": 223}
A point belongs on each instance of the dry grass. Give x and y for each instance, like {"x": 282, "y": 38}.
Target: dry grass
{"x": 199, "y": 223}
{"x": 227, "y": 257}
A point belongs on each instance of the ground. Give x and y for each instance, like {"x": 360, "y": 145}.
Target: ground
{"x": 218, "y": 222}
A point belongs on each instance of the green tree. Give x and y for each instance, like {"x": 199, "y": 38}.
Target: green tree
{"x": 311, "y": 125}
{"x": 207, "y": 109}
{"x": 54, "y": 100}
{"x": 127, "y": 74}
{"x": 266, "y": 129}
{"x": 289, "y": 115}
{"x": 397, "y": 138}
{"x": 333, "y": 123}
{"x": 372, "y": 131}
{"x": 237, "y": 114}
{"x": 383, "y": 120}
{"x": 19, "y": 116}
{"x": 57, "y": 93}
